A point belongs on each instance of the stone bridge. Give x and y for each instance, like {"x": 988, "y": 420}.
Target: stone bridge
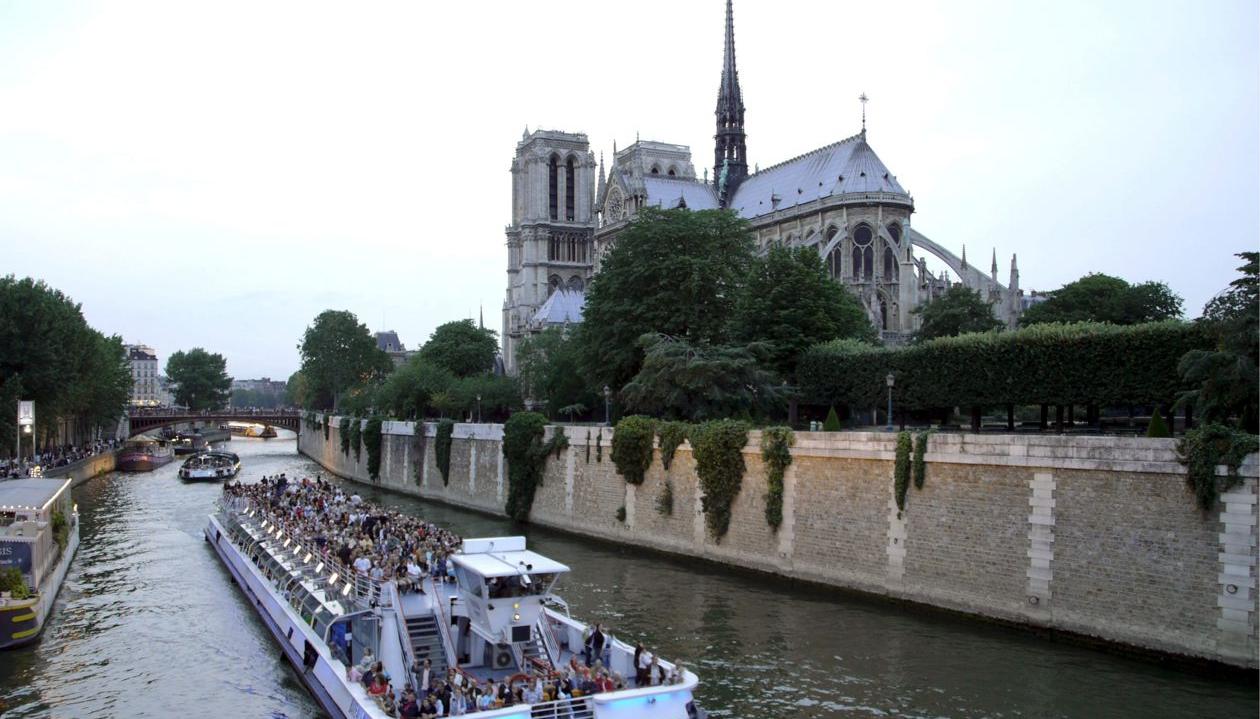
{"x": 146, "y": 420}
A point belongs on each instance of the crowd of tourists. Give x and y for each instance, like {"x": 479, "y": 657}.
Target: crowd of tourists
{"x": 54, "y": 457}
{"x": 378, "y": 543}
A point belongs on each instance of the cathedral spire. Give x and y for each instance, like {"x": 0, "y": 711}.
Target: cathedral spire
{"x": 603, "y": 183}
{"x": 730, "y": 154}
{"x": 993, "y": 269}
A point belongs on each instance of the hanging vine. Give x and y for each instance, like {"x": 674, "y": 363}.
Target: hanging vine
{"x": 632, "y": 447}
{"x": 599, "y": 445}
{"x": 326, "y": 423}
{"x": 356, "y": 438}
{"x": 901, "y": 470}
{"x": 372, "y": 441}
{"x": 343, "y": 434}
{"x": 442, "y": 448}
{"x": 672, "y": 435}
{"x": 776, "y": 452}
{"x": 919, "y": 466}
{"x": 526, "y": 455}
{"x": 418, "y": 441}
{"x": 1205, "y": 447}
{"x": 718, "y": 447}
{"x": 588, "y": 446}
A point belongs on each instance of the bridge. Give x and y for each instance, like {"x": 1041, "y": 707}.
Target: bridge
{"x": 144, "y": 420}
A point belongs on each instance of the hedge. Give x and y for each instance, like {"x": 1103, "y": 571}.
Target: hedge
{"x": 1081, "y": 363}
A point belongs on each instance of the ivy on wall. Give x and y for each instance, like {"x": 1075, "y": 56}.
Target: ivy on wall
{"x": 1205, "y": 447}
{"x": 417, "y": 452}
{"x": 901, "y": 470}
{"x": 356, "y": 438}
{"x": 344, "y": 435}
{"x": 588, "y": 446}
{"x": 327, "y": 424}
{"x": 526, "y": 456}
{"x": 442, "y": 448}
{"x": 718, "y": 448}
{"x": 665, "y": 500}
{"x": 672, "y": 435}
{"x": 919, "y": 466}
{"x": 372, "y": 441}
{"x": 776, "y": 452}
{"x": 632, "y": 447}
{"x": 599, "y": 446}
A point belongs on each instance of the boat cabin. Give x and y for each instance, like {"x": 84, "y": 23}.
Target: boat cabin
{"x": 30, "y": 511}
{"x": 501, "y": 587}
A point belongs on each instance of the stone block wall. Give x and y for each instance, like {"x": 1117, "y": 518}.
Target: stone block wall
{"x": 1097, "y": 536}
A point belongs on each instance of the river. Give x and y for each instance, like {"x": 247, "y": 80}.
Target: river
{"x": 148, "y": 624}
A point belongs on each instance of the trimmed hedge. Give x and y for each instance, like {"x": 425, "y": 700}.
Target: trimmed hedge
{"x": 1081, "y": 363}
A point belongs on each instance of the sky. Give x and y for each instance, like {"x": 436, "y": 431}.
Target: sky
{"x": 217, "y": 174}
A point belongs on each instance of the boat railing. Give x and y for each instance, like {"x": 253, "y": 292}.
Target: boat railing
{"x": 575, "y": 708}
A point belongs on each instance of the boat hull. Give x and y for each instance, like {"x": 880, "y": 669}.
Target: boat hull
{"x": 23, "y": 623}
{"x": 137, "y": 462}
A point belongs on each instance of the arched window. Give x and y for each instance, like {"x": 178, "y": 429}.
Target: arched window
{"x": 890, "y": 264}
{"x": 894, "y": 231}
{"x": 673, "y": 172}
{"x": 883, "y": 314}
{"x": 575, "y": 284}
{"x": 655, "y": 170}
{"x": 553, "y": 284}
{"x": 863, "y": 253}
{"x": 569, "y": 184}
{"x": 553, "y": 182}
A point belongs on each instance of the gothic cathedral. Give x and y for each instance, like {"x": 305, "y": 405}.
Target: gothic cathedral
{"x": 839, "y": 199}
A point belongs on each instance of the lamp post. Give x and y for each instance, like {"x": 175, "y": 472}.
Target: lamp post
{"x": 478, "y": 409}
{"x": 890, "y": 380}
{"x": 607, "y": 400}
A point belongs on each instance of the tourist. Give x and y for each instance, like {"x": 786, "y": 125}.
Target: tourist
{"x": 642, "y": 658}
{"x": 594, "y": 645}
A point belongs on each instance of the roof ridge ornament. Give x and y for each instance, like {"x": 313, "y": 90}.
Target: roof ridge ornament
{"x": 863, "y": 99}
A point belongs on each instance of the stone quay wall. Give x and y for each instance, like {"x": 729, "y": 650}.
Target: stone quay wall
{"x": 1093, "y": 536}
{"x": 85, "y": 469}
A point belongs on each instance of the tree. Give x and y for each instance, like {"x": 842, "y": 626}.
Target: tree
{"x": 674, "y": 272}
{"x": 550, "y": 370}
{"x": 462, "y": 348}
{"x": 338, "y": 353}
{"x": 1102, "y": 298}
{"x": 789, "y": 303}
{"x": 49, "y": 354}
{"x": 680, "y": 380}
{"x": 1224, "y": 378}
{"x": 199, "y": 379}
{"x": 409, "y": 391}
{"x": 958, "y": 311}
{"x": 296, "y": 392}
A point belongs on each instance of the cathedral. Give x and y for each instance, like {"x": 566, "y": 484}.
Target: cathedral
{"x": 840, "y": 199}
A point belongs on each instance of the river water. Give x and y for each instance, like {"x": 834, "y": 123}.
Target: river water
{"x": 148, "y": 624}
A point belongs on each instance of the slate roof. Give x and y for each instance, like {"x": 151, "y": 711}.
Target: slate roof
{"x": 846, "y": 167}
{"x": 668, "y": 192}
{"x": 562, "y": 306}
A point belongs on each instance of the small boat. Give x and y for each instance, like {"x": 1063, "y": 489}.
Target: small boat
{"x": 213, "y": 466}
{"x": 189, "y": 444}
{"x": 252, "y": 429}
{"x": 39, "y": 535}
{"x": 143, "y": 454}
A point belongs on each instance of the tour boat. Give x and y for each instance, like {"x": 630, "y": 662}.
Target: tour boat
{"x": 252, "y": 429}
{"x": 189, "y": 443}
{"x": 214, "y": 466}
{"x": 143, "y": 454}
{"x": 39, "y": 535}
{"x": 499, "y": 621}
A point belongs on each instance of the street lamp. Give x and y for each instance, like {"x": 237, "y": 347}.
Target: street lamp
{"x": 890, "y": 379}
{"x": 479, "y": 409}
{"x": 607, "y": 399}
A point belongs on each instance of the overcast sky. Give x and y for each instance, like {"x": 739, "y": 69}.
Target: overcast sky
{"x": 216, "y": 174}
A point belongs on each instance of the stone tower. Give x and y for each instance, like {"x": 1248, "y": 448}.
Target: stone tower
{"x": 550, "y": 241}
{"x": 730, "y": 152}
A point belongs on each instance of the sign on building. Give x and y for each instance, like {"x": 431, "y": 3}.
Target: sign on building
{"x": 16, "y": 554}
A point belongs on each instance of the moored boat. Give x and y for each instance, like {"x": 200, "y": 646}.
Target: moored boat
{"x": 498, "y": 625}
{"x": 143, "y": 454}
{"x": 212, "y": 465}
{"x": 252, "y": 429}
{"x": 189, "y": 443}
{"x": 39, "y": 535}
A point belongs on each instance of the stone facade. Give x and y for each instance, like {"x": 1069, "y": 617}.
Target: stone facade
{"x": 1089, "y": 535}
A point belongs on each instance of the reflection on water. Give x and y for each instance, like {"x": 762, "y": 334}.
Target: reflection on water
{"x": 149, "y": 624}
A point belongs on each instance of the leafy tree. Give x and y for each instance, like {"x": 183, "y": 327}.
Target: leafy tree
{"x": 49, "y": 354}
{"x": 673, "y": 272}
{"x": 680, "y": 380}
{"x": 550, "y": 370}
{"x": 199, "y": 379}
{"x": 339, "y": 353}
{"x": 462, "y": 348}
{"x": 1102, "y": 298}
{"x": 500, "y": 396}
{"x": 959, "y": 311}
{"x": 1225, "y": 377}
{"x": 790, "y": 303}
{"x": 296, "y": 392}
{"x": 832, "y": 423}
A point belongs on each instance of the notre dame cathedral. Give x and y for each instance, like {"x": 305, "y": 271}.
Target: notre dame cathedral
{"x": 567, "y": 211}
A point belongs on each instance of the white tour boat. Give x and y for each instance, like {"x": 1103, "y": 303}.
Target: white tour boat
{"x": 39, "y": 535}
{"x": 213, "y": 466}
{"x": 499, "y": 621}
